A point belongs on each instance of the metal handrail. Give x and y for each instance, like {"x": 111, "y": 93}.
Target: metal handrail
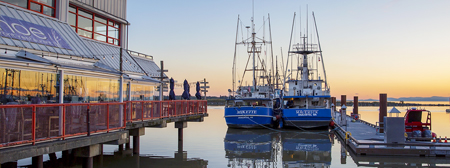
{"x": 41, "y": 118}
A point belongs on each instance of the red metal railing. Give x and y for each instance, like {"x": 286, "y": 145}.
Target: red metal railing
{"x": 146, "y": 110}
{"x": 31, "y": 123}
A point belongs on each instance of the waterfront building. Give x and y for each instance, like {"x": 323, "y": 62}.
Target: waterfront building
{"x": 68, "y": 51}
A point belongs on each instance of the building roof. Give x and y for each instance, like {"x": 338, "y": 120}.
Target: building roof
{"x": 110, "y": 55}
{"x": 148, "y": 66}
{"x": 26, "y": 29}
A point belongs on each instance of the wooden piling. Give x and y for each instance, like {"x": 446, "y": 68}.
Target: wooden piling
{"x": 343, "y": 100}
{"x": 383, "y": 110}
{"x": 333, "y": 100}
{"x": 355, "y": 105}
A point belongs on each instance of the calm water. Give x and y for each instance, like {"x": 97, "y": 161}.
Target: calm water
{"x": 213, "y": 142}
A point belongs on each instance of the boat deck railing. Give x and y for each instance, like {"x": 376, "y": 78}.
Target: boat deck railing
{"x": 33, "y": 123}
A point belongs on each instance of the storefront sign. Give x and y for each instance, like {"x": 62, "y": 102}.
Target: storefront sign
{"x": 34, "y": 33}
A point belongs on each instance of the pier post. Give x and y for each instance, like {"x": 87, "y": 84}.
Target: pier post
{"x": 180, "y": 153}
{"x": 136, "y": 133}
{"x": 136, "y": 144}
{"x": 88, "y": 153}
{"x": 37, "y": 161}
{"x": 383, "y": 110}
{"x": 127, "y": 145}
{"x": 355, "y": 105}
{"x": 343, "y": 100}
{"x": 88, "y": 162}
{"x": 120, "y": 148}
{"x": 9, "y": 164}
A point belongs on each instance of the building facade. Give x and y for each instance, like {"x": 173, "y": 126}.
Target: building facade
{"x": 70, "y": 51}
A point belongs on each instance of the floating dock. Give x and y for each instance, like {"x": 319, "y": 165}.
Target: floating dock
{"x": 364, "y": 138}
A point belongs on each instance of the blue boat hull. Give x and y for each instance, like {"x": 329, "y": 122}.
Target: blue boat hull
{"x": 306, "y": 118}
{"x": 248, "y": 117}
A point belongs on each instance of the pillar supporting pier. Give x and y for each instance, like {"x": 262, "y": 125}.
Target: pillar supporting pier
{"x": 37, "y": 161}
{"x": 180, "y": 154}
{"x": 88, "y": 153}
{"x": 136, "y": 133}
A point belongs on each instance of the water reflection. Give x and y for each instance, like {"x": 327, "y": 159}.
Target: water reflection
{"x": 287, "y": 148}
{"x": 125, "y": 158}
{"x": 306, "y": 149}
{"x": 251, "y": 147}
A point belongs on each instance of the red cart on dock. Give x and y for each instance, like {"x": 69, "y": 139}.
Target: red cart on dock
{"x": 415, "y": 128}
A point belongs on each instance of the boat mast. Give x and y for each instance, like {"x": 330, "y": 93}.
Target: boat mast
{"x": 253, "y": 51}
{"x": 234, "y": 60}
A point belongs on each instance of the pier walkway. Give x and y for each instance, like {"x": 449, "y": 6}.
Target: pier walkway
{"x": 362, "y": 138}
{"x": 32, "y": 130}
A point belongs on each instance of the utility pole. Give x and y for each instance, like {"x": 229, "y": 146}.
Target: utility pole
{"x": 161, "y": 78}
{"x": 204, "y": 87}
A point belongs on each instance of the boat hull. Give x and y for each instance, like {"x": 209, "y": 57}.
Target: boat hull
{"x": 248, "y": 117}
{"x": 306, "y": 118}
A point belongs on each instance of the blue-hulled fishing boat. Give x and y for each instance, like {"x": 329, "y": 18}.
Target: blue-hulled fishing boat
{"x": 307, "y": 96}
{"x": 251, "y": 106}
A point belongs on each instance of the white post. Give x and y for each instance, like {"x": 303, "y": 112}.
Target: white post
{"x": 61, "y": 100}
{"x": 121, "y": 99}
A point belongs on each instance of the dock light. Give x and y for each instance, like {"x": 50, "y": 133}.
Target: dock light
{"x": 393, "y": 110}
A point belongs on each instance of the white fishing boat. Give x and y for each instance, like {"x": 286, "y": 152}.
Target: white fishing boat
{"x": 307, "y": 96}
{"x": 251, "y": 106}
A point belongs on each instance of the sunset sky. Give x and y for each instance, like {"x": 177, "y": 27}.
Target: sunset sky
{"x": 398, "y": 47}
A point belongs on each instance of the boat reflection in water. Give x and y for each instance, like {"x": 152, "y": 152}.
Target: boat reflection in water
{"x": 306, "y": 149}
{"x": 251, "y": 147}
{"x": 272, "y": 148}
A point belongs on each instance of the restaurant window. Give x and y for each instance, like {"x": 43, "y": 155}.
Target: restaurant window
{"x": 94, "y": 26}
{"x": 141, "y": 92}
{"x": 81, "y": 89}
{"x": 46, "y": 7}
{"x": 28, "y": 87}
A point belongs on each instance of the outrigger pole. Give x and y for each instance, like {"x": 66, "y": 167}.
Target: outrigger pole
{"x": 287, "y": 60}
{"x": 320, "y": 50}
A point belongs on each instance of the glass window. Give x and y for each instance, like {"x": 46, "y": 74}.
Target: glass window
{"x": 113, "y": 32}
{"x": 47, "y": 2}
{"x": 72, "y": 19}
{"x": 94, "y": 26}
{"x": 28, "y": 87}
{"x": 84, "y": 33}
{"x": 99, "y": 37}
{"x": 46, "y": 7}
{"x": 84, "y": 23}
{"x": 79, "y": 89}
{"x": 73, "y": 9}
{"x": 100, "y": 28}
{"x": 141, "y": 92}
{"x": 35, "y": 7}
{"x": 21, "y": 3}
{"x": 85, "y": 14}
{"x": 49, "y": 11}
{"x": 99, "y": 19}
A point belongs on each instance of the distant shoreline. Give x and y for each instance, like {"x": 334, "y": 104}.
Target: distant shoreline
{"x": 221, "y": 102}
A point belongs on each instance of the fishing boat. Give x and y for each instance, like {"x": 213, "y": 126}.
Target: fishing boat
{"x": 251, "y": 106}
{"x": 307, "y": 97}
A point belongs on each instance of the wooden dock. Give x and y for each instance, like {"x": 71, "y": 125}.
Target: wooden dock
{"x": 362, "y": 139}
